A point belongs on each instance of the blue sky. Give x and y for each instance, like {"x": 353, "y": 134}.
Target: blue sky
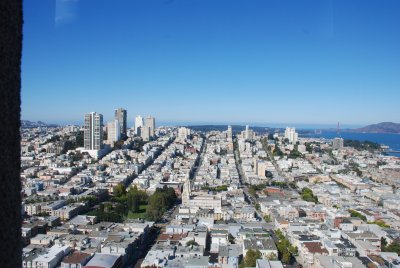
{"x": 213, "y": 61}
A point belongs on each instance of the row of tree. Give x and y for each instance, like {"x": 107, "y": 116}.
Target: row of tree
{"x": 219, "y": 188}
{"x": 285, "y": 249}
{"x": 357, "y": 214}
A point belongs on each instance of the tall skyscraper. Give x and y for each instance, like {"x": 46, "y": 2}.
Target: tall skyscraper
{"x": 150, "y": 122}
{"x": 138, "y": 124}
{"x": 145, "y": 133}
{"x": 113, "y": 133}
{"x": 229, "y": 133}
{"x": 93, "y": 133}
{"x": 120, "y": 115}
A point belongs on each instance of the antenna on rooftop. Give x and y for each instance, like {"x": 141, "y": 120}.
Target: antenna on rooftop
{"x": 338, "y": 129}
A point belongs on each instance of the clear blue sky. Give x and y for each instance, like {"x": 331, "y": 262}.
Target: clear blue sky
{"x": 214, "y": 61}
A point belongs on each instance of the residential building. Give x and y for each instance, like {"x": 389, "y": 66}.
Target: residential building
{"x": 138, "y": 124}
{"x": 150, "y": 122}
{"x": 120, "y": 116}
{"x": 291, "y": 135}
{"x": 113, "y": 132}
{"x": 93, "y": 133}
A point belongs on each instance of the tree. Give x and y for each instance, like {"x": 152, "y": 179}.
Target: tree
{"x": 118, "y": 144}
{"x": 286, "y": 257}
{"x": 286, "y": 250}
{"x": 251, "y": 258}
{"x": 383, "y": 243}
{"x": 119, "y": 190}
{"x": 272, "y": 257}
{"x": 133, "y": 202}
{"x": 135, "y": 198}
{"x": 267, "y": 218}
{"x": 231, "y": 238}
{"x": 191, "y": 243}
{"x": 159, "y": 202}
{"x": 79, "y": 139}
{"x": 308, "y": 195}
{"x": 357, "y": 214}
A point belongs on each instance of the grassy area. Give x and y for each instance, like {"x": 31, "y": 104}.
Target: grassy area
{"x": 141, "y": 214}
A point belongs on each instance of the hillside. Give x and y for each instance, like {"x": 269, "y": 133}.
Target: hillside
{"x": 384, "y": 127}
{"x": 30, "y": 124}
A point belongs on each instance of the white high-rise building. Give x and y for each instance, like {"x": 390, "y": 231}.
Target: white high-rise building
{"x": 291, "y": 135}
{"x": 93, "y": 133}
{"x": 248, "y": 134}
{"x": 229, "y": 134}
{"x": 183, "y": 132}
{"x": 138, "y": 124}
{"x": 113, "y": 132}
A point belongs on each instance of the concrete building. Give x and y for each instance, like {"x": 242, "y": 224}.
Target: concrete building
{"x": 268, "y": 264}
{"x": 105, "y": 260}
{"x": 75, "y": 260}
{"x": 291, "y": 135}
{"x": 138, "y": 124}
{"x": 145, "y": 133}
{"x": 113, "y": 132}
{"x": 266, "y": 246}
{"x": 183, "y": 132}
{"x": 150, "y": 122}
{"x": 93, "y": 133}
{"x": 337, "y": 143}
{"x": 120, "y": 116}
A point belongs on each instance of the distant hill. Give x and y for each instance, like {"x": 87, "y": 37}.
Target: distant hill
{"x": 384, "y": 127}
{"x": 236, "y": 129}
{"x": 30, "y": 124}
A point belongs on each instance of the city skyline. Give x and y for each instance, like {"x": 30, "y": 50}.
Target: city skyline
{"x": 202, "y": 61}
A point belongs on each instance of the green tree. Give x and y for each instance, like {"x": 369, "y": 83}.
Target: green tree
{"x": 133, "y": 202}
{"x": 308, "y": 195}
{"x": 119, "y": 190}
{"x": 135, "y": 198}
{"x": 191, "y": 243}
{"x": 267, "y": 218}
{"x": 159, "y": 202}
{"x": 79, "y": 139}
{"x": 383, "y": 243}
{"x": 286, "y": 257}
{"x": 251, "y": 258}
{"x": 272, "y": 257}
{"x": 357, "y": 214}
{"x": 231, "y": 238}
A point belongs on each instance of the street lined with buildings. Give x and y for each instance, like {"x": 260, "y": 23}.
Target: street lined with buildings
{"x": 240, "y": 199}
